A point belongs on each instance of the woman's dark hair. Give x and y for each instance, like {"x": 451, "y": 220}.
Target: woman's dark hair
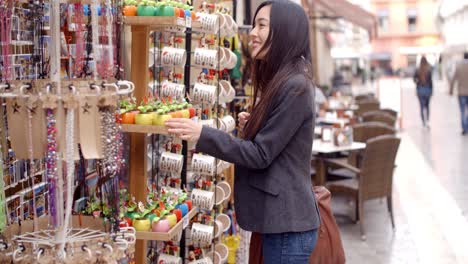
{"x": 287, "y": 53}
{"x": 424, "y": 69}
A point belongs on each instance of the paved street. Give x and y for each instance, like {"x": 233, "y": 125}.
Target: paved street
{"x": 430, "y": 189}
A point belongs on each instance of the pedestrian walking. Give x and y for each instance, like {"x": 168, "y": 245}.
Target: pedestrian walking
{"x": 461, "y": 79}
{"x": 423, "y": 80}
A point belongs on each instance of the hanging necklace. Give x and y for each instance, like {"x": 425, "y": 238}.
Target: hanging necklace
{"x": 80, "y": 40}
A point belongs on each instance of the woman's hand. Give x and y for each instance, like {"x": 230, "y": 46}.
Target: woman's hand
{"x": 243, "y": 117}
{"x": 184, "y": 128}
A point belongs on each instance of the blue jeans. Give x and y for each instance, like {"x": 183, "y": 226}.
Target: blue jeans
{"x": 463, "y": 100}
{"x": 289, "y": 248}
{"x": 424, "y": 106}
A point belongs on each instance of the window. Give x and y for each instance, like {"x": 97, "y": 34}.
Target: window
{"x": 383, "y": 19}
{"x": 412, "y": 20}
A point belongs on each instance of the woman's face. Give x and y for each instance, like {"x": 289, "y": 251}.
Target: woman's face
{"x": 259, "y": 33}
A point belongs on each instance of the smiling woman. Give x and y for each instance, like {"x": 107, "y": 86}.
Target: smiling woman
{"x": 273, "y": 194}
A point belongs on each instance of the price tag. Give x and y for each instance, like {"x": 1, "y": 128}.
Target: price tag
{"x": 185, "y": 223}
{"x": 188, "y": 22}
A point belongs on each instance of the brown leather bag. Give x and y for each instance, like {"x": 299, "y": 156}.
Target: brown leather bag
{"x": 329, "y": 249}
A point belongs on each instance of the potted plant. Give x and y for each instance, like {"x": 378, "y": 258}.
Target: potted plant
{"x": 130, "y": 8}
{"x": 146, "y": 8}
{"x": 127, "y": 112}
{"x": 144, "y": 117}
{"x": 141, "y": 223}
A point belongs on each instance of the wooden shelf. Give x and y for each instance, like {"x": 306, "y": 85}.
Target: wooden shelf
{"x": 144, "y": 129}
{"x": 157, "y": 236}
{"x": 154, "y": 21}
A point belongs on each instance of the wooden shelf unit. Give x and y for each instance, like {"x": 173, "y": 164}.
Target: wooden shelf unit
{"x": 160, "y": 130}
{"x": 154, "y": 21}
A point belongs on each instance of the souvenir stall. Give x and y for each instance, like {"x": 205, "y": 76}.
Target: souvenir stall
{"x": 89, "y": 171}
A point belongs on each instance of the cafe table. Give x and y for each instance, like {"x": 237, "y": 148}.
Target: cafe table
{"x": 321, "y": 150}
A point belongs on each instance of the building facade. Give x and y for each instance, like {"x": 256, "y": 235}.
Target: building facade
{"x": 452, "y": 21}
{"x": 407, "y": 30}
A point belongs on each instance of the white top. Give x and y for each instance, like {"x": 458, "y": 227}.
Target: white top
{"x": 328, "y": 147}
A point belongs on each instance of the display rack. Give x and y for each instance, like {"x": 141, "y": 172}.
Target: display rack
{"x": 177, "y": 229}
{"x": 141, "y": 28}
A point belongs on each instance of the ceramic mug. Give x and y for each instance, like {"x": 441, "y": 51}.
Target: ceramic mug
{"x": 202, "y": 234}
{"x": 173, "y": 90}
{"x": 225, "y": 221}
{"x": 223, "y": 251}
{"x": 208, "y": 123}
{"x": 207, "y": 58}
{"x": 226, "y": 188}
{"x": 229, "y": 123}
{"x": 169, "y": 259}
{"x": 173, "y": 57}
{"x": 227, "y": 93}
{"x": 209, "y": 22}
{"x": 153, "y": 55}
{"x": 230, "y": 58}
{"x": 171, "y": 162}
{"x": 203, "y": 199}
{"x": 202, "y": 261}
{"x": 219, "y": 195}
{"x": 202, "y": 93}
{"x": 203, "y": 164}
{"x": 214, "y": 256}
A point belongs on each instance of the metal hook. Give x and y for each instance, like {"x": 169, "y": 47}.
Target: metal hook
{"x": 109, "y": 247}
{"x": 4, "y": 245}
{"x": 40, "y": 252}
{"x": 48, "y": 88}
{"x": 86, "y": 249}
{"x": 21, "y": 248}
{"x": 25, "y": 86}
{"x": 95, "y": 87}
{"x": 72, "y": 88}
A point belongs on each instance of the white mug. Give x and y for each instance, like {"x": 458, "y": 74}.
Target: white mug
{"x": 206, "y": 58}
{"x": 169, "y": 259}
{"x": 223, "y": 251}
{"x": 225, "y": 221}
{"x": 171, "y": 162}
{"x": 208, "y": 22}
{"x": 202, "y": 234}
{"x": 202, "y": 93}
{"x": 203, "y": 199}
{"x": 226, "y": 188}
{"x": 153, "y": 55}
{"x": 173, "y": 57}
{"x": 203, "y": 164}
{"x": 227, "y": 93}
{"x": 214, "y": 256}
{"x": 229, "y": 123}
{"x": 173, "y": 90}
{"x": 202, "y": 261}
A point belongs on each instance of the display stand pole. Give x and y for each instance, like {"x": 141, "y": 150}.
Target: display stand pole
{"x": 138, "y": 158}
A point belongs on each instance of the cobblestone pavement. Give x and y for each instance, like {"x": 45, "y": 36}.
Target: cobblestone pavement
{"x": 430, "y": 188}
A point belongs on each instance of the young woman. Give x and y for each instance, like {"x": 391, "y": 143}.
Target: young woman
{"x": 273, "y": 194}
{"x": 423, "y": 80}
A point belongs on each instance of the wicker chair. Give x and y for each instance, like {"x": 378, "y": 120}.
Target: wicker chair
{"x": 390, "y": 112}
{"x": 362, "y": 132}
{"x": 375, "y": 176}
{"x": 379, "y": 116}
{"x": 367, "y": 106}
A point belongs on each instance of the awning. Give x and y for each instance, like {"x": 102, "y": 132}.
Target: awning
{"x": 350, "y": 12}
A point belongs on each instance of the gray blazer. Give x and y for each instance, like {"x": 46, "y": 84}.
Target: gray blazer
{"x": 272, "y": 188}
